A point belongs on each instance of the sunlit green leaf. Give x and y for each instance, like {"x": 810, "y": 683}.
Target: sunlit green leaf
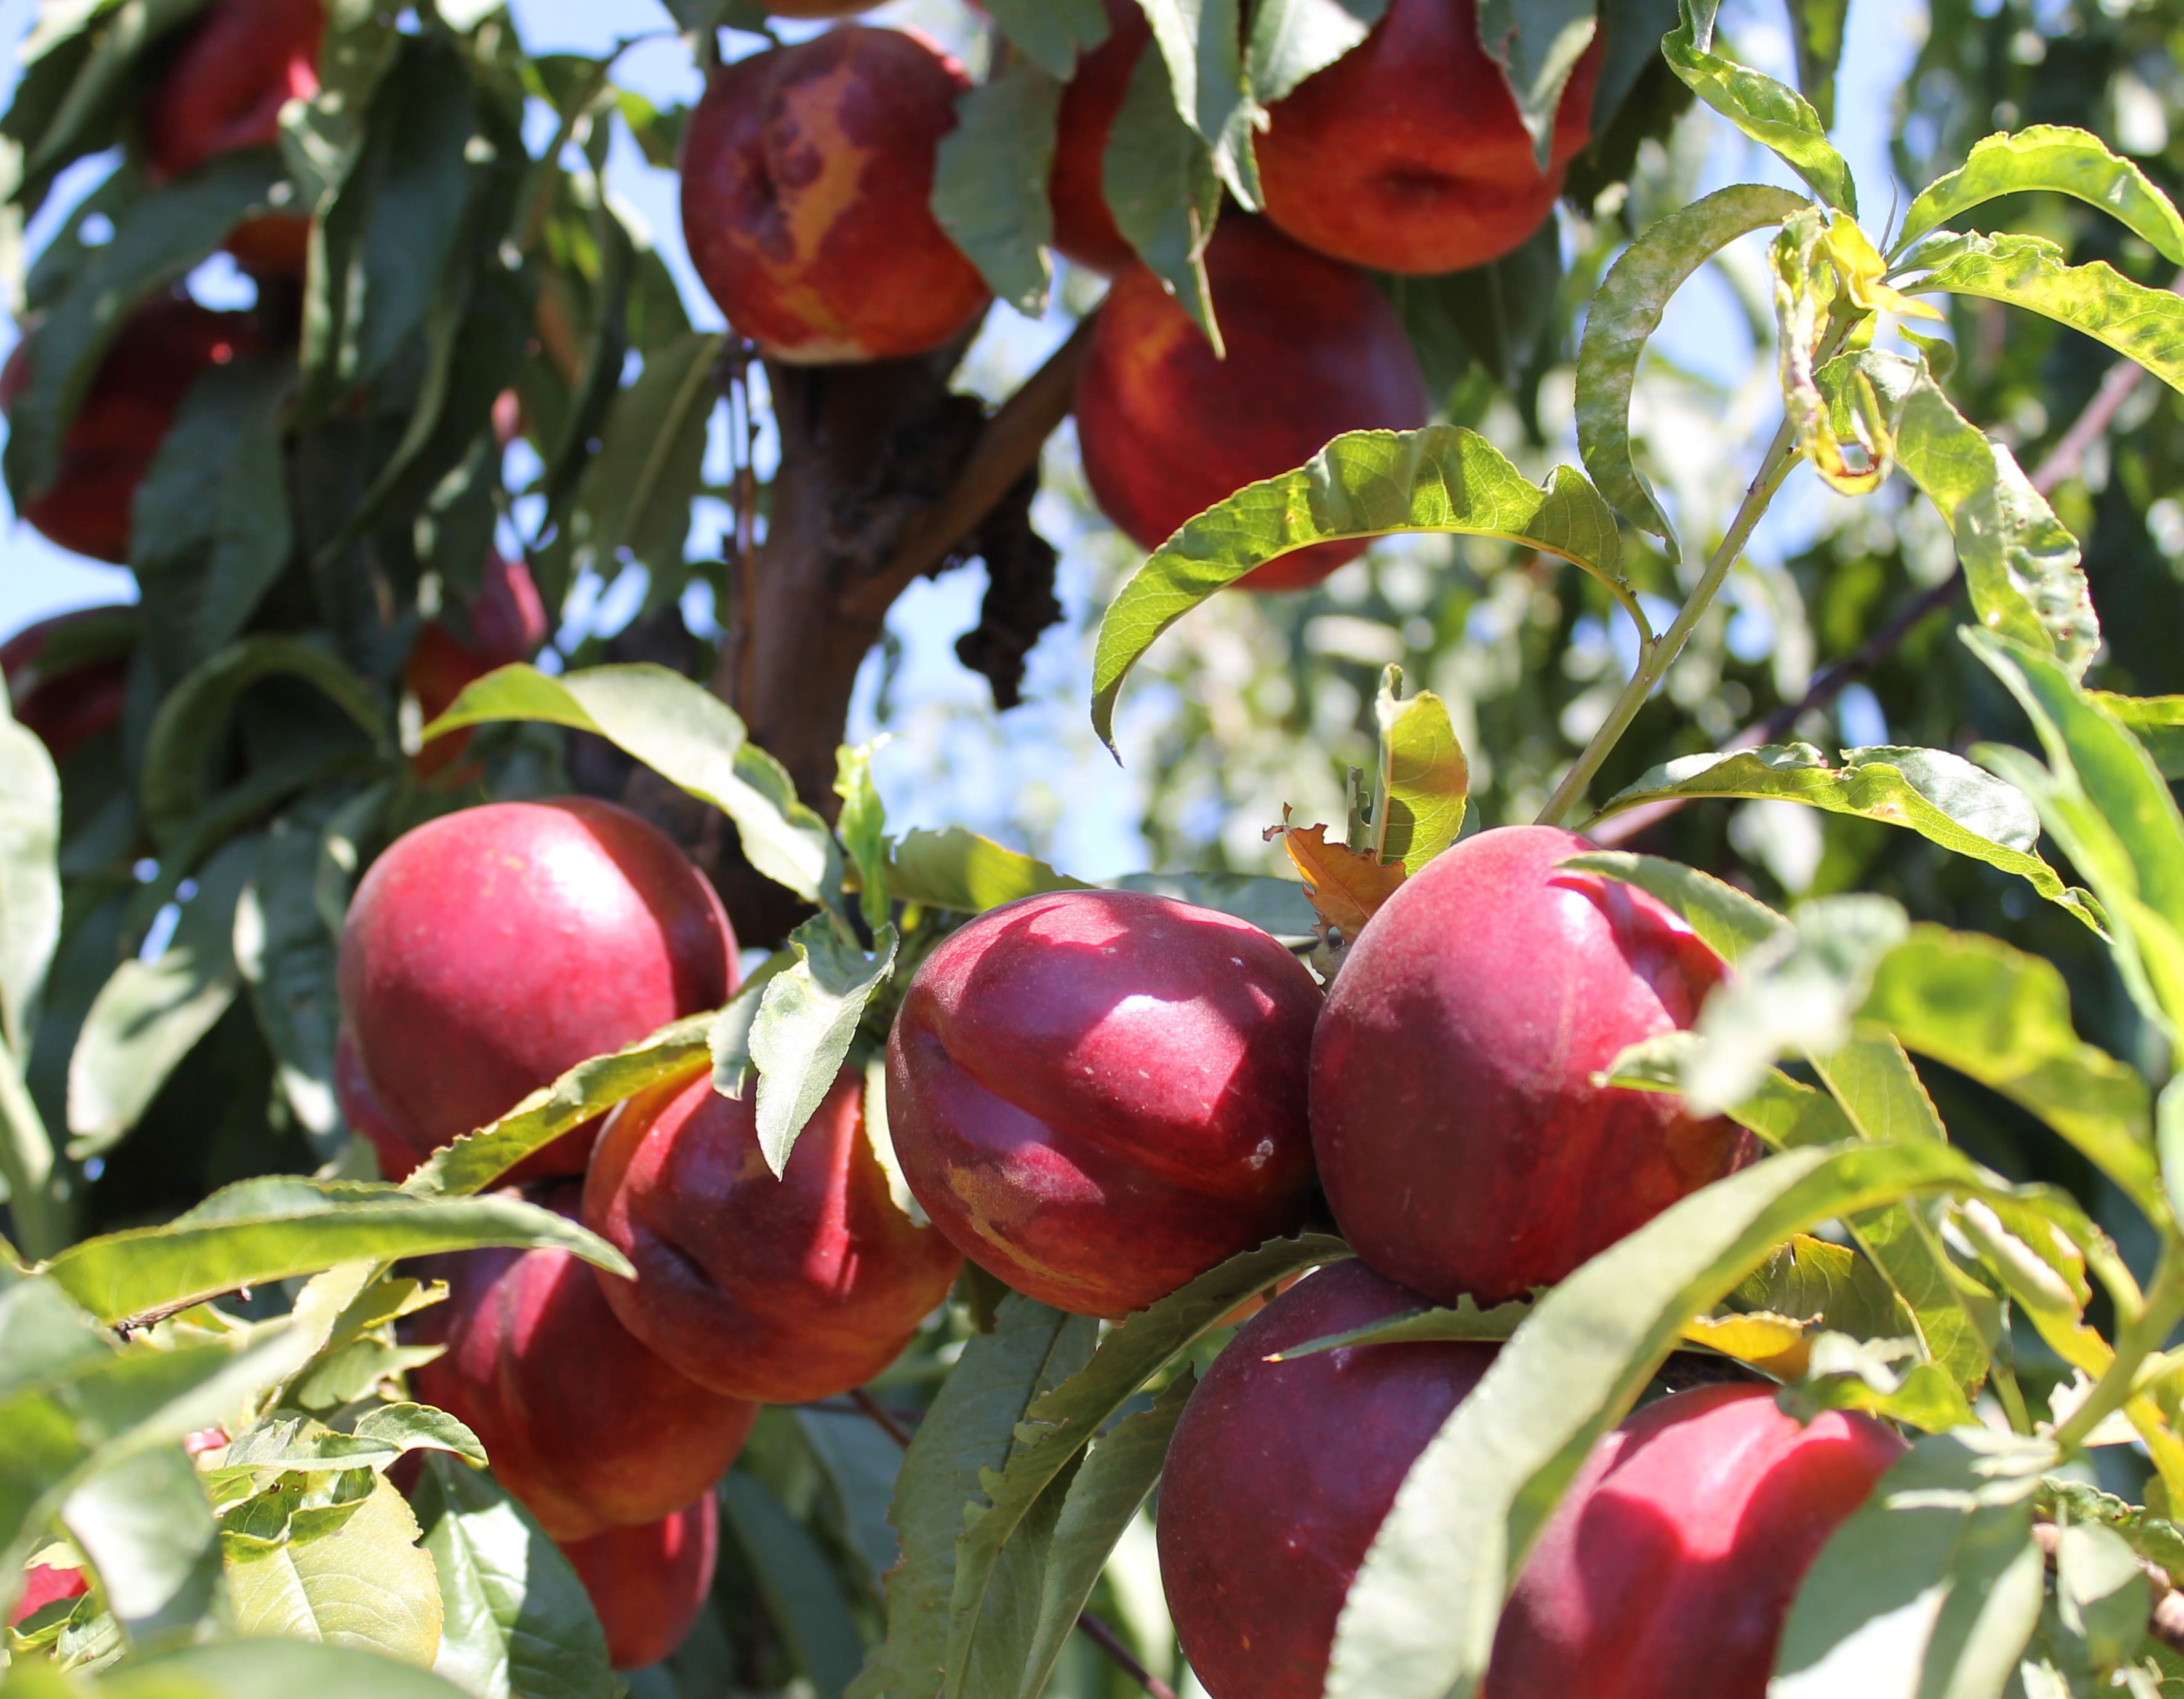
{"x": 2055, "y": 157}
{"x": 806, "y": 1017}
{"x": 1291, "y": 40}
{"x": 1845, "y": 1373}
{"x": 1422, "y": 783}
{"x": 1537, "y": 46}
{"x": 30, "y": 882}
{"x": 366, "y": 1585}
{"x": 2157, "y": 721}
{"x": 272, "y": 1670}
{"x": 958, "y": 870}
{"x": 1731, "y": 923}
{"x": 1159, "y": 178}
{"x": 1773, "y": 114}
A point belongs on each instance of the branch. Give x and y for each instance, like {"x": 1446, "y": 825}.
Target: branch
{"x": 1007, "y": 448}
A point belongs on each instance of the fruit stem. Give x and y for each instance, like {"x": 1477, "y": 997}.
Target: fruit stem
{"x": 40, "y": 1199}
{"x": 1655, "y": 660}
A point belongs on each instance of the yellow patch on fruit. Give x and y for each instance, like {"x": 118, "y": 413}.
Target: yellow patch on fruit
{"x": 1776, "y": 1345}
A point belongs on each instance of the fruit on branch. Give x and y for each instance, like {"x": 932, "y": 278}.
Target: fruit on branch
{"x": 583, "y": 1424}
{"x": 398, "y": 1156}
{"x": 490, "y": 950}
{"x": 1084, "y": 228}
{"x": 125, "y": 416}
{"x": 507, "y": 624}
{"x": 1280, "y": 1474}
{"x": 782, "y": 1290}
{"x": 1167, "y": 429}
{"x": 42, "y": 1586}
{"x": 1407, "y": 155}
{"x": 648, "y": 1583}
{"x": 1670, "y": 1567}
{"x": 1461, "y": 1140}
{"x": 1099, "y": 1095}
{"x": 67, "y": 676}
{"x": 806, "y": 174}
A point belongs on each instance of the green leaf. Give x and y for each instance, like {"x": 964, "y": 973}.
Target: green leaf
{"x": 2155, "y": 1538}
{"x": 968, "y": 1431}
{"x": 2095, "y": 299}
{"x": 1796, "y": 992}
{"x": 862, "y": 827}
{"x": 2157, "y": 721}
{"x": 1103, "y": 1498}
{"x": 2103, "y": 1594}
{"x": 365, "y": 1584}
{"x": 1809, "y": 1277}
{"x": 259, "y": 1231}
{"x": 322, "y": 136}
{"x": 1626, "y": 311}
{"x": 1537, "y": 43}
{"x": 1941, "y": 796}
{"x": 1161, "y": 186}
{"x": 727, "y": 1038}
{"x": 2021, "y": 563}
{"x": 1421, "y": 783}
{"x": 2003, "y": 1018}
{"x": 1818, "y": 27}
{"x": 1728, "y": 921}
{"x": 210, "y": 529}
{"x": 1933, "y": 1587}
{"x": 1052, "y": 33}
{"x": 2055, "y": 157}
{"x": 286, "y": 957}
{"x": 685, "y": 733}
{"x": 1291, "y": 40}
{"x": 1467, "y": 1321}
{"x": 590, "y": 1089}
{"x": 1059, "y": 1425}
{"x": 1363, "y": 484}
{"x": 958, "y": 870}
{"x": 272, "y": 1670}
{"x": 1202, "y": 44}
{"x": 1775, "y": 116}
{"x": 143, "y": 1525}
{"x": 637, "y": 490}
{"x": 1420, "y": 1618}
{"x": 517, "y": 1619}
{"x": 989, "y": 185}
{"x": 29, "y": 879}
{"x": 806, "y": 1017}
{"x": 151, "y": 1014}
{"x": 803, "y": 1596}
{"x": 184, "y": 752}
{"x": 420, "y": 1427}
{"x": 1846, "y": 1373}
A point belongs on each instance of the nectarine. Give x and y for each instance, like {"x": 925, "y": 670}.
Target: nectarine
{"x": 648, "y": 1583}
{"x": 806, "y": 174}
{"x": 42, "y": 1586}
{"x": 71, "y": 691}
{"x": 1084, "y": 228}
{"x": 398, "y": 1155}
{"x": 1167, "y": 429}
{"x": 507, "y": 624}
{"x": 580, "y": 1421}
{"x": 782, "y": 1290}
{"x": 1099, "y": 1095}
{"x": 490, "y": 950}
{"x": 1407, "y": 153}
{"x": 1462, "y": 1142}
{"x": 226, "y": 78}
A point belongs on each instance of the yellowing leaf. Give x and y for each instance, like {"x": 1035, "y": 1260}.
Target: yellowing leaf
{"x": 366, "y": 1585}
{"x": 1863, "y": 270}
{"x": 1777, "y": 1344}
{"x": 1346, "y": 889}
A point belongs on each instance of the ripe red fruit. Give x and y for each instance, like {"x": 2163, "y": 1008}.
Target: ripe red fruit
{"x": 648, "y": 1583}
{"x": 1670, "y": 1567}
{"x": 1099, "y": 1095}
{"x": 1463, "y": 1145}
{"x": 69, "y": 692}
{"x": 125, "y": 416}
{"x": 781, "y": 1290}
{"x": 590, "y": 1430}
{"x": 1281, "y": 1473}
{"x": 508, "y": 624}
{"x": 226, "y": 79}
{"x": 489, "y": 951}
{"x": 1407, "y": 153}
{"x": 806, "y": 175}
{"x": 42, "y": 1585}
{"x": 398, "y": 1157}
{"x": 1168, "y": 430}
{"x": 1083, "y": 227}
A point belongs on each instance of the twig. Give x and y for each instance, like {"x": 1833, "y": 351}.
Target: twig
{"x": 1007, "y": 448}
{"x": 1094, "y": 1628}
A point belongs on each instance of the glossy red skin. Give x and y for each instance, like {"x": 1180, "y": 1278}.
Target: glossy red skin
{"x": 1407, "y": 153}
{"x": 581, "y": 1421}
{"x": 1669, "y": 1568}
{"x": 42, "y": 1586}
{"x": 1314, "y": 349}
{"x": 399, "y": 1155}
{"x": 124, "y": 417}
{"x": 508, "y": 624}
{"x": 489, "y": 951}
{"x": 807, "y": 172}
{"x": 1281, "y": 1473}
{"x": 1083, "y": 228}
{"x": 1098, "y": 1095}
{"x": 66, "y": 709}
{"x": 783, "y": 1290}
{"x": 649, "y": 1583}
{"x": 1462, "y": 1144}
{"x": 226, "y": 80}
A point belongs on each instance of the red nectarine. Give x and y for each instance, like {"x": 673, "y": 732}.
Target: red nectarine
{"x": 1084, "y": 228}
{"x": 580, "y": 1421}
{"x": 1407, "y": 153}
{"x": 806, "y": 174}
{"x": 507, "y": 624}
{"x": 226, "y": 78}
{"x": 783, "y": 1290}
{"x": 648, "y": 1583}
{"x": 44, "y": 1585}
{"x": 490, "y": 950}
{"x": 69, "y": 692}
{"x": 1099, "y": 1095}
{"x": 1168, "y": 430}
{"x": 1463, "y": 1145}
